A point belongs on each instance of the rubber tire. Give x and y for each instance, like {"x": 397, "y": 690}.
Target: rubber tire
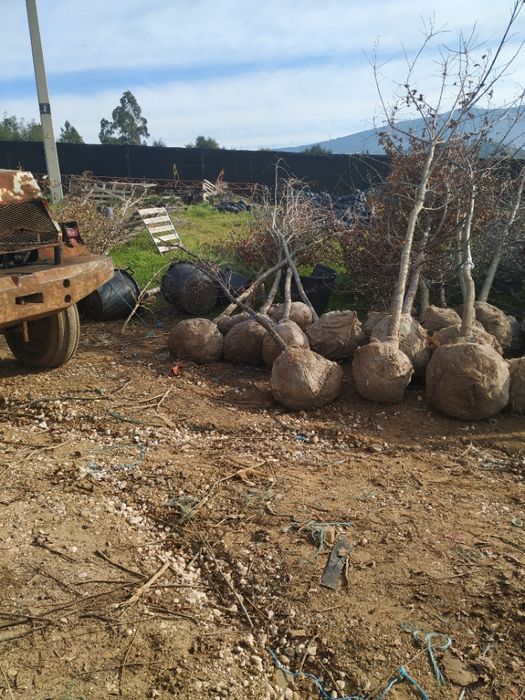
{"x": 53, "y": 340}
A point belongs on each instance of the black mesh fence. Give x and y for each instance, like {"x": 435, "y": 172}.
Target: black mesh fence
{"x": 336, "y": 174}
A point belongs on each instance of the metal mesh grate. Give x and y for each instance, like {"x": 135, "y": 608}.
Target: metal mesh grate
{"x": 25, "y": 226}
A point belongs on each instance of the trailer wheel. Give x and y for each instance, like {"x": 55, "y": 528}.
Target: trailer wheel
{"x": 53, "y": 340}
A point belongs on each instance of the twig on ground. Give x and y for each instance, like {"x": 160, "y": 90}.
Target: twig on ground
{"x": 138, "y": 574}
{"x": 124, "y": 659}
{"x": 8, "y": 684}
{"x": 145, "y": 587}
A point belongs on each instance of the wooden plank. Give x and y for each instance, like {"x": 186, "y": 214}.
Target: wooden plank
{"x": 165, "y": 248}
{"x": 160, "y": 227}
{"x": 336, "y": 563}
{"x": 152, "y": 210}
{"x": 155, "y": 219}
{"x": 174, "y": 236}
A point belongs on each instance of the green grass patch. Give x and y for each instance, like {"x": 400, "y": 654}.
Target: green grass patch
{"x": 203, "y": 230}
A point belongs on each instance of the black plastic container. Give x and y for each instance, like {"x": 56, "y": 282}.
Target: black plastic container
{"x": 116, "y": 298}
{"x": 318, "y": 287}
{"x": 188, "y": 288}
{"x": 234, "y": 281}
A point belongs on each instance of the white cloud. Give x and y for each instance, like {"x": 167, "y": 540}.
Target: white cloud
{"x": 285, "y": 97}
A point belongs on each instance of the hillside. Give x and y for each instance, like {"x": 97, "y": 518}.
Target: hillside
{"x": 509, "y": 126}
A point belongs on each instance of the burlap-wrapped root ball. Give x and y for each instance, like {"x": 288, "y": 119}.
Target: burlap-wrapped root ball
{"x": 413, "y": 340}
{"x": 302, "y": 379}
{"x": 292, "y": 335}
{"x": 518, "y": 338}
{"x": 197, "y": 339}
{"x": 494, "y": 321}
{"x": 336, "y": 335}
{"x": 452, "y": 334}
{"x": 243, "y": 343}
{"x": 517, "y": 385}
{"x": 226, "y": 323}
{"x": 381, "y": 372}
{"x": 434, "y": 318}
{"x": 373, "y": 318}
{"x": 468, "y": 381}
{"x": 299, "y": 313}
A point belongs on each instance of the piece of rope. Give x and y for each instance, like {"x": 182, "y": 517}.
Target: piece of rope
{"x": 401, "y": 675}
{"x": 428, "y": 640}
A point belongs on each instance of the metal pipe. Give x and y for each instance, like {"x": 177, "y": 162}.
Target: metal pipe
{"x": 50, "y": 149}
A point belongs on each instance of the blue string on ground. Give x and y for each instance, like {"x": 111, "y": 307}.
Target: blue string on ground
{"x": 429, "y": 641}
{"x": 401, "y": 675}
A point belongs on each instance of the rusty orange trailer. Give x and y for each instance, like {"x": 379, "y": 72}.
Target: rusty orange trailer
{"x": 44, "y": 270}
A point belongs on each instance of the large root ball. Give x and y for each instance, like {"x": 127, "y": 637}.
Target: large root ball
{"x": 226, "y": 323}
{"x": 302, "y": 379}
{"x": 197, "y": 339}
{"x": 517, "y": 385}
{"x": 516, "y": 346}
{"x": 494, "y": 321}
{"x": 243, "y": 343}
{"x": 452, "y": 334}
{"x": 299, "y": 313}
{"x": 336, "y": 335}
{"x": 381, "y": 372}
{"x": 373, "y": 318}
{"x": 292, "y": 335}
{"x": 413, "y": 340}
{"x": 468, "y": 381}
{"x": 434, "y": 318}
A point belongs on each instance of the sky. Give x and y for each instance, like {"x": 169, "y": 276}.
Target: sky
{"x": 250, "y": 74}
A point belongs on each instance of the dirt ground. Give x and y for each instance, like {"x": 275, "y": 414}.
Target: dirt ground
{"x": 161, "y": 534}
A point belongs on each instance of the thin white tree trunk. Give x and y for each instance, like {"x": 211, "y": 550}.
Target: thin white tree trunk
{"x": 424, "y": 296}
{"x": 413, "y": 285}
{"x": 272, "y": 293}
{"x": 419, "y": 202}
{"x": 443, "y": 296}
{"x": 287, "y": 295}
{"x": 469, "y": 300}
{"x": 494, "y": 263}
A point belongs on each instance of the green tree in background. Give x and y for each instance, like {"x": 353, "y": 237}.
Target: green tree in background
{"x": 317, "y": 150}
{"x": 68, "y": 134}
{"x": 14, "y": 129}
{"x": 203, "y": 142}
{"x": 128, "y": 125}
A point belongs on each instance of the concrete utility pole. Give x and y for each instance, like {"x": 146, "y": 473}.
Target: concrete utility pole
{"x": 50, "y": 148}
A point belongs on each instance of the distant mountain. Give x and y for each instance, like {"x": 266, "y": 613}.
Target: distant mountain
{"x": 508, "y": 126}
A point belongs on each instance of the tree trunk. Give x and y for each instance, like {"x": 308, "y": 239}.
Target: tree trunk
{"x": 419, "y": 202}
{"x": 424, "y": 296}
{"x": 443, "y": 296}
{"x": 272, "y": 293}
{"x": 287, "y": 295}
{"x": 491, "y": 273}
{"x": 410, "y": 296}
{"x": 494, "y": 263}
{"x": 469, "y": 299}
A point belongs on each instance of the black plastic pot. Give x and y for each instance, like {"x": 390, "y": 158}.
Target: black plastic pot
{"x": 114, "y": 299}
{"x": 318, "y": 287}
{"x": 188, "y": 288}
{"x": 234, "y": 281}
